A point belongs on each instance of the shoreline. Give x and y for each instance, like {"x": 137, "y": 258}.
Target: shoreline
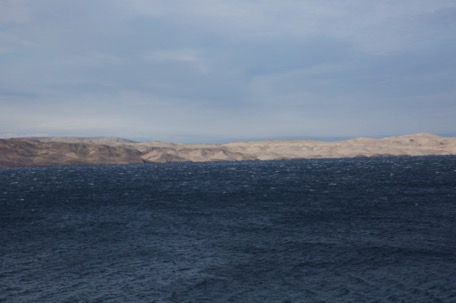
{"x": 72, "y": 151}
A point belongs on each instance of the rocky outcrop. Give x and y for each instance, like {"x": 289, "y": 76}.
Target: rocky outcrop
{"x": 89, "y": 151}
{"x": 409, "y": 145}
{"x": 33, "y": 152}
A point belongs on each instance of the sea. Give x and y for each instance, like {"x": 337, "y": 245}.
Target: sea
{"x": 322, "y": 230}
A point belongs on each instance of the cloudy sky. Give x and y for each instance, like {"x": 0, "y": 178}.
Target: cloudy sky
{"x": 223, "y": 70}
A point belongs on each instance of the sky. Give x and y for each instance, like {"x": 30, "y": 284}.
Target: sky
{"x": 213, "y": 71}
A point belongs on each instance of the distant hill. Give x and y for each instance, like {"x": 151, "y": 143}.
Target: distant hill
{"x": 98, "y": 140}
{"x": 49, "y": 151}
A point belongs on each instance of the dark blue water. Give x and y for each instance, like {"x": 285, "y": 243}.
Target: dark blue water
{"x": 359, "y": 230}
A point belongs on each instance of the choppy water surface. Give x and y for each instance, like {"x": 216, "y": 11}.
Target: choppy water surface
{"x": 359, "y": 230}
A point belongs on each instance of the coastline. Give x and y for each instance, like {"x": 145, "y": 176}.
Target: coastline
{"x": 70, "y": 151}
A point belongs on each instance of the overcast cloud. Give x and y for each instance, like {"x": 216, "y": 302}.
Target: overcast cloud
{"x": 223, "y": 70}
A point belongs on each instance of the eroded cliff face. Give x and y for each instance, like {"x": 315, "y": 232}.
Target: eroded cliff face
{"x": 91, "y": 151}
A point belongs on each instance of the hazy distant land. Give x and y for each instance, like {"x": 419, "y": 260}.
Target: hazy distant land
{"x": 49, "y": 151}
